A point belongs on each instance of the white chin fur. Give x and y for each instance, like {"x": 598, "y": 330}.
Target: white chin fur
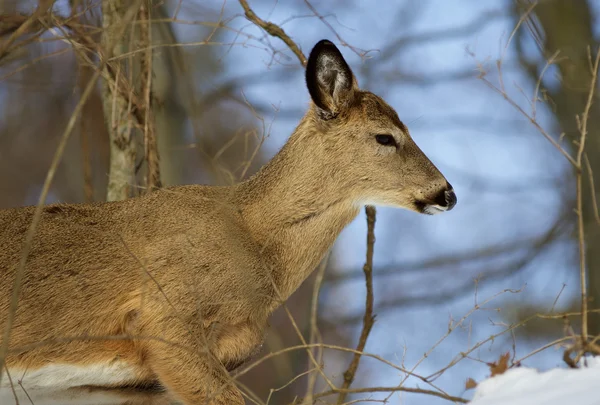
{"x": 434, "y": 209}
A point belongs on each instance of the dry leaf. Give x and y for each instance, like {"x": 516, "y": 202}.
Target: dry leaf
{"x": 470, "y": 384}
{"x": 501, "y": 365}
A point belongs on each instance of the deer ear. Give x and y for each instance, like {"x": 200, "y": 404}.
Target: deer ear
{"x": 329, "y": 79}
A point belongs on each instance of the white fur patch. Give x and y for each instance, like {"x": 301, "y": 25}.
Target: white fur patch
{"x": 63, "y": 376}
{"x": 42, "y": 396}
{"x": 434, "y": 209}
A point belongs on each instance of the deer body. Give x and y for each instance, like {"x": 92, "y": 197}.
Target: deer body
{"x": 176, "y": 286}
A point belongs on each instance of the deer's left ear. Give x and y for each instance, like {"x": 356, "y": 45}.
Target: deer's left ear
{"x": 329, "y": 79}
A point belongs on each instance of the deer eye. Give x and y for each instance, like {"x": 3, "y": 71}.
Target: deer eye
{"x": 386, "y": 140}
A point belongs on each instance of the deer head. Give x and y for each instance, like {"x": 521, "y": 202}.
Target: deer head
{"x": 376, "y": 160}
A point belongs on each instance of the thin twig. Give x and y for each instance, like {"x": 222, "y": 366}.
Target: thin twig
{"x": 532, "y": 121}
{"x": 580, "y": 220}
{"x": 308, "y": 350}
{"x": 151, "y": 147}
{"x": 343, "y": 349}
{"x": 592, "y": 188}
{"x": 315, "y": 334}
{"x": 273, "y": 30}
{"x": 369, "y": 318}
{"x": 360, "y": 52}
{"x": 392, "y": 389}
{"x": 42, "y": 8}
{"x": 12, "y": 387}
{"x": 84, "y": 74}
{"x": 453, "y": 325}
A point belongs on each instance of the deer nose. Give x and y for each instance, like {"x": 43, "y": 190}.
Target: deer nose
{"x": 446, "y": 198}
{"x": 450, "y": 198}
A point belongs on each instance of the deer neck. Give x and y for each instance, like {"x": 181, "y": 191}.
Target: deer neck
{"x": 293, "y": 211}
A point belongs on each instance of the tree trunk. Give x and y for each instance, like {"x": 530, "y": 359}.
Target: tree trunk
{"x": 567, "y": 27}
{"x": 117, "y": 109}
{"x": 169, "y": 115}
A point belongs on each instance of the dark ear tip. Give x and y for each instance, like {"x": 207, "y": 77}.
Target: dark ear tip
{"x": 321, "y": 46}
{"x": 324, "y": 42}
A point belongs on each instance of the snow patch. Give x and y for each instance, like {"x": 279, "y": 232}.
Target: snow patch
{"x": 527, "y": 386}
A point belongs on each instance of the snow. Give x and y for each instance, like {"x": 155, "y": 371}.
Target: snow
{"x": 528, "y": 386}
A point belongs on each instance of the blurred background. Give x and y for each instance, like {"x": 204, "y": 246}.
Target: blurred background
{"x": 471, "y": 80}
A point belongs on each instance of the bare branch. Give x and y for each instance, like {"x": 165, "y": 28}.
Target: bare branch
{"x": 392, "y": 389}
{"x": 273, "y": 30}
{"x": 150, "y": 144}
{"x": 42, "y": 8}
{"x": 580, "y": 220}
{"x": 368, "y": 318}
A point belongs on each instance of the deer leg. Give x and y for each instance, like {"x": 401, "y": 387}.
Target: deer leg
{"x": 192, "y": 377}
{"x": 182, "y": 358}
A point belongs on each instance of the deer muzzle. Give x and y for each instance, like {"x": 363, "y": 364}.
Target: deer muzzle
{"x": 445, "y": 200}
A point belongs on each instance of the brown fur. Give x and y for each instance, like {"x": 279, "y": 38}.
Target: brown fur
{"x": 192, "y": 273}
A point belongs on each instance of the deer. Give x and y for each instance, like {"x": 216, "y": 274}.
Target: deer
{"x": 175, "y": 287}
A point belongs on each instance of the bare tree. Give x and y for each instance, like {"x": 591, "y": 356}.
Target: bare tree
{"x": 563, "y": 33}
